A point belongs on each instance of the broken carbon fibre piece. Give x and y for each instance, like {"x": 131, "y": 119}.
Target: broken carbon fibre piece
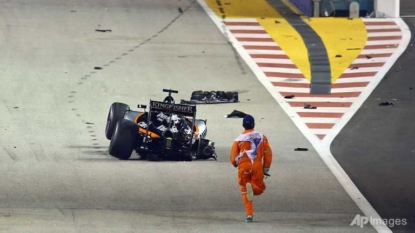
{"x": 212, "y": 97}
{"x": 236, "y": 114}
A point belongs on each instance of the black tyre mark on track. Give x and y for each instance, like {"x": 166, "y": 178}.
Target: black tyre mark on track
{"x": 238, "y": 58}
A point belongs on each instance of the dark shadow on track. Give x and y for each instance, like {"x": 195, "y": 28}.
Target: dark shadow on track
{"x": 377, "y": 146}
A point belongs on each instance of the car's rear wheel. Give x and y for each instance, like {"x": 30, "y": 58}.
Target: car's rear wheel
{"x": 124, "y": 139}
{"x": 115, "y": 113}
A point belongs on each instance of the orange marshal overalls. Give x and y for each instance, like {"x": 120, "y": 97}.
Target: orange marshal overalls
{"x": 251, "y": 171}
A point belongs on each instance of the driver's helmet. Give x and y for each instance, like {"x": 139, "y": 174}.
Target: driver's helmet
{"x": 169, "y": 100}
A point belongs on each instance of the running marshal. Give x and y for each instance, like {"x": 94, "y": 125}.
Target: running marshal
{"x": 186, "y": 109}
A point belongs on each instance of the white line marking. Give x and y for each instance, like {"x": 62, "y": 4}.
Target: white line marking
{"x": 232, "y": 27}
{"x": 283, "y": 70}
{"x": 258, "y": 43}
{"x": 322, "y": 99}
{"x": 320, "y": 120}
{"x": 346, "y": 89}
{"x": 371, "y": 27}
{"x": 353, "y": 80}
{"x": 377, "y": 51}
{"x": 258, "y": 51}
{"x": 376, "y": 34}
{"x": 289, "y": 80}
{"x": 372, "y": 60}
{"x": 321, "y": 109}
{"x": 244, "y": 20}
{"x": 293, "y": 89}
{"x": 360, "y": 70}
{"x": 390, "y": 42}
{"x": 251, "y": 35}
{"x": 275, "y": 61}
{"x": 319, "y": 131}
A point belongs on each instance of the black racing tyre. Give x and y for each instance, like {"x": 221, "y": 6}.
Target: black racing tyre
{"x": 124, "y": 139}
{"x": 197, "y": 95}
{"x": 115, "y": 113}
{"x": 187, "y": 157}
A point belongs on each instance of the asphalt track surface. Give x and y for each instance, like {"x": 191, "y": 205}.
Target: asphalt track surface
{"x": 377, "y": 149}
{"x": 56, "y": 174}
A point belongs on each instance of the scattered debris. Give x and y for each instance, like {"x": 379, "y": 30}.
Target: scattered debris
{"x": 386, "y": 104}
{"x": 97, "y": 68}
{"x": 180, "y": 10}
{"x": 103, "y": 30}
{"x": 300, "y": 149}
{"x": 212, "y": 97}
{"x": 16, "y": 107}
{"x": 338, "y": 55}
{"x": 354, "y": 68}
{"x": 276, "y": 21}
{"x": 307, "y": 106}
{"x": 248, "y": 99}
{"x": 368, "y": 57}
{"x": 412, "y": 88}
{"x": 73, "y": 11}
{"x": 289, "y": 96}
{"x": 89, "y": 123}
{"x": 236, "y": 114}
{"x": 203, "y": 51}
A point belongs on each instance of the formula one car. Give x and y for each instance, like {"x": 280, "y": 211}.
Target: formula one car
{"x": 167, "y": 131}
{"x": 212, "y": 97}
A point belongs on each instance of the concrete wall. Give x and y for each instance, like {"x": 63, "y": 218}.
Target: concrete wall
{"x": 387, "y": 8}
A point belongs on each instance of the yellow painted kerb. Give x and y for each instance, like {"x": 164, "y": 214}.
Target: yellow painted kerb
{"x": 276, "y": 26}
{"x": 343, "y": 38}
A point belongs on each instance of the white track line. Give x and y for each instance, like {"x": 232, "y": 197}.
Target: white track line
{"x": 283, "y": 70}
{"x": 251, "y": 35}
{"x": 260, "y": 51}
{"x": 320, "y": 120}
{"x": 372, "y": 60}
{"x": 382, "y": 27}
{"x": 376, "y": 34}
{"x": 321, "y": 109}
{"x": 360, "y": 70}
{"x": 289, "y": 80}
{"x": 258, "y": 43}
{"x": 391, "y": 42}
{"x": 378, "y": 51}
{"x": 322, "y": 99}
{"x": 319, "y": 131}
{"x": 245, "y": 27}
{"x": 353, "y": 80}
{"x": 274, "y": 61}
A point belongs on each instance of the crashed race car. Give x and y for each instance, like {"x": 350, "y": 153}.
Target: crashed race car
{"x": 212, "y": 97}
{"x": 168, "y": 131}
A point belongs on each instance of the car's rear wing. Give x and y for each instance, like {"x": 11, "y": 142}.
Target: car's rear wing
{"x": 183, "y": 109}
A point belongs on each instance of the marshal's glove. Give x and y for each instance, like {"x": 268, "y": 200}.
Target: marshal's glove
{"x": 266, "y": 173}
